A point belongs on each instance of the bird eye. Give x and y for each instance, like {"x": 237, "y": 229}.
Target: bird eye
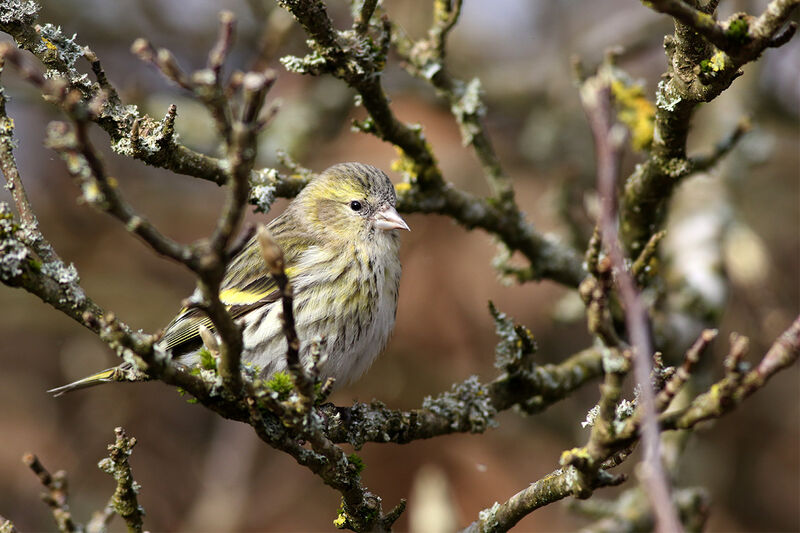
{"x": 355, "y": 205}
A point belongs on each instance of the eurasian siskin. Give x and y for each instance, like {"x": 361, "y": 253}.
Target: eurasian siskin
{"x": 341, "y": 254}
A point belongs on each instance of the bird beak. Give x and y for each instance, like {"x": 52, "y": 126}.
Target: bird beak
{"x": 388, "y": 218}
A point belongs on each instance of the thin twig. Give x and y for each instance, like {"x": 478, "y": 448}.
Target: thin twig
{"x": 683, "y": 373}
{"x": 596, "y": 97}
{"x": 735, "y": 387}
{"x": 219, "y": 52}
{"x": 361, "y": 23}
{"x": 56, "y": 495}
{"x": 704, "y": 162}
{"x": 74, "y": 146}
{"x": 425, "y": 189}
{"x": 641, "y": 267}
{"x": 425, "y": 60}
{"x": 273, "y": 257}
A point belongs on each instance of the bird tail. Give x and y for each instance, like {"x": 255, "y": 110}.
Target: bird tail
{"x": 117, "y": 373}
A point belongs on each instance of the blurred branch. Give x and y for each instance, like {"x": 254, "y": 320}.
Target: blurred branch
{"x": 275, "y": 28}
{"x": 123, "y": 502}
{"x": 701, "y": 163}
{"x": 631, "y": 512}
{"x": 7, "y": 526}
{"x": 56, "y": 495}
{"x": 100, "y": 520}
{"x": 684, "y": 372}
{"x": 737, "y": 384}
{"x": 361, "y": 23}
{"x": 609, "y": 142}
{"x": 697, "y": 72}
{"x": 641, "y": 268}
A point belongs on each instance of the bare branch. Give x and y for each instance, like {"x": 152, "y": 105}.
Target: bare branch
{"x": 425, "y": 189}
{"x": 118, "y": 120}
{"x": 596, "y": 98}
{"x": 549, "y": 259}
{"x": 361, "y": 23}
{"x": 683, "y": 373}
{"x": 641, "y": 268}
{"x": 558, "y": 485}
{"x": 425, "y": 60}
{"x": 125, "y": 499}
{"x": 533, "y": 390}
{"x": 218, "y": 54}
{"x": 736, "y": 386}
{"x": 56, "y": 495}
{"x": 631, "y": 511}
{"x": 273, "y": 257}
{"x": 101, "y": 191}
{"x": 696, "y": 72}
{"x": 704, "y": 162}
{"x": 9, "y": 165}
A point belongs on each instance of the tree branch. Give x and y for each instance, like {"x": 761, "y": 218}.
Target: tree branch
{"x": 696, "y": 73}
{"x": 357, "y": 61}
{"x": 425, "y": 59}
{"x": 596, "y": 99}
{"x": 125, "y": 499}
{"x": 737, "y": 385}
{"x": 56, "y": 495}
{"x": 558, "y": 485}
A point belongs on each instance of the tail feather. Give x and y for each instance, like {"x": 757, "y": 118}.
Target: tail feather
{"x": 117, "y": 373}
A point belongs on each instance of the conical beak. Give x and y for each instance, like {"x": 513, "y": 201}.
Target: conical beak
{"x": 388, "y": 219}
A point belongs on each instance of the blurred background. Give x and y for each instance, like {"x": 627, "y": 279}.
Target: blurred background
{"x": 200, "y": 473}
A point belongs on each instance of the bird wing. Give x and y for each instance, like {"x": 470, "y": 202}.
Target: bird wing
{"x": 247, "y": 285}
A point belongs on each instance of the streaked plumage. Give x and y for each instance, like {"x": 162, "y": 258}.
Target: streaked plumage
{"x": 340, "y": 247}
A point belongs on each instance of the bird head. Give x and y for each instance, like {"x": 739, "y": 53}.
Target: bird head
{"x": 351, "y": 201}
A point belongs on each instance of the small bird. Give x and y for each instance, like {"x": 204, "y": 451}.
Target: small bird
{"x": 340, "y": 248}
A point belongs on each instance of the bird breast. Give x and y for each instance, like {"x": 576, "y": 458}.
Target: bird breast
{"x": 345, "y": 296}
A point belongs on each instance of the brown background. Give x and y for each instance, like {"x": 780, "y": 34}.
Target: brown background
{"x": 198, "y": 472}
